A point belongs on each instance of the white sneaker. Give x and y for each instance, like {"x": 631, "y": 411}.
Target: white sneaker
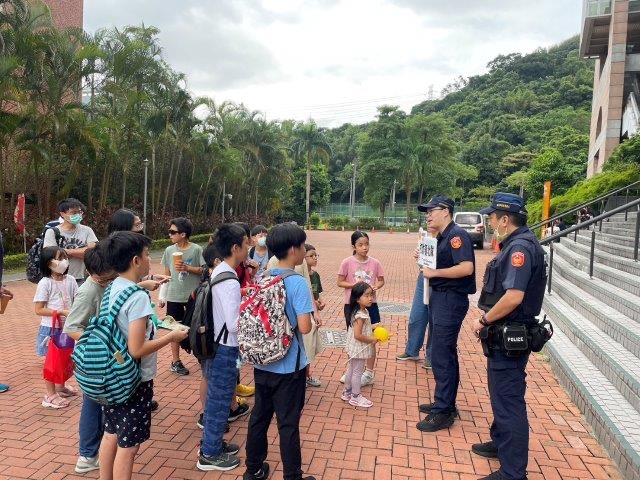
{"x": 313, "y": 382}
{"x": 87, "y": 464}
{"x": 360, "y": 401}
{"x": 367, "y": 378}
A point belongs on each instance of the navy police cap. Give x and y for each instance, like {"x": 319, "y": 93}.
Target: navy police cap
{"x": 506, "y": 202}
{"x": 437, "y": 201}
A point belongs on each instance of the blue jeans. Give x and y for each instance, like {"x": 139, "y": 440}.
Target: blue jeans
{"x": 91, "y": 428}
{"x": 222, "y": 375}
{"x": 418, "y": 322}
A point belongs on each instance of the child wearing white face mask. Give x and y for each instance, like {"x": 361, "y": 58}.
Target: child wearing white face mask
{"x": 54, "y": 296}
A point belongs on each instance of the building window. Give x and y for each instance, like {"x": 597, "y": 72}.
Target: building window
{"x": 599, "y": 123}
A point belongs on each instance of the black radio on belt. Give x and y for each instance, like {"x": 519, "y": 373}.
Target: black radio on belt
{"x": 515, "y": 339}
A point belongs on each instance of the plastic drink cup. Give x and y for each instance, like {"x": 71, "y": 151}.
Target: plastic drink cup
{"x": 177, "y": 258}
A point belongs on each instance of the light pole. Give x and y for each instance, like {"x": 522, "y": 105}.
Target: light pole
{"x": 393, "y": 202}
{"x": 225, "y": 196}
{"x": 144, "y": 208}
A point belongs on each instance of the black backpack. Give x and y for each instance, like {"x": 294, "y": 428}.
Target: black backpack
{"x": 202, "y": 341}
{"x": 34, "y": 274}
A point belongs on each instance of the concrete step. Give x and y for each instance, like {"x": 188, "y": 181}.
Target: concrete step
{"x": 619, "y": 250}
{"x": 619, "y": 327}
{"x": 622, "y": 231}
{"x": 625, "y": 240}
{"x": 601, "y": 257}
{"x": 616, "y": 298}
{"x": 626, "y": 281}
{"x": 616, "y": 424}
{"x": 618, "y": 364}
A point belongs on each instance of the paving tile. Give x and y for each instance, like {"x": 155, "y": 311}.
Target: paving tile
{"x": 338, "y": 442}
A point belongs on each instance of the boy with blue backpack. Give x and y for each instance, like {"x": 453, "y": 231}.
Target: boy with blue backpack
{"x": 280, "y": 386}
{"x": 128, "y": 424}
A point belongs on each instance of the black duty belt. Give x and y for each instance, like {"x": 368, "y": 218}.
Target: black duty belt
{"x": 515, "y": 339}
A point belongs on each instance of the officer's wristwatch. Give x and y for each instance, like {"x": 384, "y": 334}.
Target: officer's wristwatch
{"x": 483, "y": 320}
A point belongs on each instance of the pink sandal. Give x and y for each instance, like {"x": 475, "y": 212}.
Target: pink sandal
{"x": 54, "y": 401}
{"x": 66, "y": 392}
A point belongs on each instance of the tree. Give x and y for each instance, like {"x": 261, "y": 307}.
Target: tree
{"x": 552, "y": 166}
{"x": 310, "y": 144}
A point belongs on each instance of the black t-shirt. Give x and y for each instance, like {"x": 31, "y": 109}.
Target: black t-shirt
{"x": 454, "y": 247}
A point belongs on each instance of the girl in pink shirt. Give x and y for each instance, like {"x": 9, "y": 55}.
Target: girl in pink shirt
{"x": 360, "y": 267}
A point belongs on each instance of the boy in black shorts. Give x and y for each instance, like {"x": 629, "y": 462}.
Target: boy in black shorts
{"x": 127, "y": 425}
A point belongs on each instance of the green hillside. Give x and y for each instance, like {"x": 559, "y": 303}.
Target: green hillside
{"x": 525, "y": 121}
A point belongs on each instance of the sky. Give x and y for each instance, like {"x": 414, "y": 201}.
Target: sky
{"x": 336, "y": 60}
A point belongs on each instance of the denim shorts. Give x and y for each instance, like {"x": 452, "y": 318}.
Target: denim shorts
{"x": 42, "y": 340}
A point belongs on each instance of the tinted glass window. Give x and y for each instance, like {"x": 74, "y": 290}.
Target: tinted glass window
{"x": 468, "y": 219}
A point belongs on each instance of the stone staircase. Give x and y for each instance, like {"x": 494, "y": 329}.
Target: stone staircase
{"x": 595, "y": 351}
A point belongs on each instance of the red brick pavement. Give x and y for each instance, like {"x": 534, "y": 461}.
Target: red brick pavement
{"x": 339, "y": 442}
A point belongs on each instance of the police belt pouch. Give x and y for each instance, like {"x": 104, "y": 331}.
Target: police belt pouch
{"x": 515, "y": 339}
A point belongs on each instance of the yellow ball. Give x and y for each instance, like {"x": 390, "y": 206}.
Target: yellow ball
{"x": 381, "y": 333}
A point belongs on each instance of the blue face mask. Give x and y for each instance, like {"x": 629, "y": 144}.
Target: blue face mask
{"x": 262, "y": 242}
{"x": 75, "y": 219}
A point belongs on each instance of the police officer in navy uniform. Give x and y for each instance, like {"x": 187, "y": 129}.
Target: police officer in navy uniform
{"x": 451, "y": 282}
{"x": 512, "y": 296}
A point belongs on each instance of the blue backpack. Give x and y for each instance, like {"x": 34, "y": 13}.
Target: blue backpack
{"x": 105, "y": 371}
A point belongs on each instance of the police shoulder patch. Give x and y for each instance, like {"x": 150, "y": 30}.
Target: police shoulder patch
{"x": 456, "y": 242}
{"x": 517, "y": 259}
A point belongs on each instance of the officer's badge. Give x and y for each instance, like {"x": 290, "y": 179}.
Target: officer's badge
{"x": 456, "y": 242}
{"x": 517, "y": 259}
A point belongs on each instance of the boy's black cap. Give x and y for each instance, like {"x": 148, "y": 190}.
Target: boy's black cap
{"x": 437, "y": 201}
{"x": 506, "y": 202}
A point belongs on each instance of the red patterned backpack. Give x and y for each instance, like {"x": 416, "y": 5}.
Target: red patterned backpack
{"x": 264, "y": 331}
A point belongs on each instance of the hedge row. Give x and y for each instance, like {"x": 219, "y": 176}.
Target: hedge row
{"x": 19, "y": 261}
{"x": 585, "y": 191}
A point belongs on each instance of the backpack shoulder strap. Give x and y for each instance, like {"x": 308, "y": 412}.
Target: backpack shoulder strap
{"x": 224, "y": 276}
{"x": 122, "y": 298}
{"x": 284, "y": 274}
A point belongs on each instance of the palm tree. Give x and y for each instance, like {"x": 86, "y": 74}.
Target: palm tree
{"x": 310, "y": 144}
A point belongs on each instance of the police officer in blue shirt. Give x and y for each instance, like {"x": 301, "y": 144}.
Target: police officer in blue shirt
{"x": 511, "y": 298}
{"x": 451, "y": 282}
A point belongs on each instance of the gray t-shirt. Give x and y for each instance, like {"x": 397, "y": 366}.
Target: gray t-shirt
{"x": 179, "y": 290}
{"x": 138, "y": 306}
{"x": 86, "y": 304}
{"x": 79, "y": 237}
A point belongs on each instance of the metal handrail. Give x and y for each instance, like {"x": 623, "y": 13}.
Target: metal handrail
{"x": 601, "y": 198}
{"x": 600, "y": 218}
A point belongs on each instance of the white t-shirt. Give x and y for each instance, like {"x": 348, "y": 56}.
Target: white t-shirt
{"x": 79, "y": 237}
{"x": 137, "y": 306}
{"x": 225, "y": 301}
{"x": 58, "y": 295}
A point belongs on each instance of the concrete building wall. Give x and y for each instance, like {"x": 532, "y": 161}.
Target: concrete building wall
{"x": 66, "y": 13}
{"x": 608, "y": 90}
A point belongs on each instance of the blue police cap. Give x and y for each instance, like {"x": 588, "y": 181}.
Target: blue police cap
{"x": 437, "y": 201}
{"x": 506, "y": 202}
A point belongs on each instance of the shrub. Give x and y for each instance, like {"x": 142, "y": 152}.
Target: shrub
{"x": 314, "y": 220}
{"x": 337, "y": 222}
{"x": 585, "y": 191}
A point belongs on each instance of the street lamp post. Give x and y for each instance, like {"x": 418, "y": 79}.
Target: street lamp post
{"x": 144, "y": 208}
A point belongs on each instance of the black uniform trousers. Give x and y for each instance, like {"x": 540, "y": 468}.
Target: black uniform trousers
{"x": 447, "y": 309}
{"x": 510, "y": 427}
{"x": 282, "y": 394}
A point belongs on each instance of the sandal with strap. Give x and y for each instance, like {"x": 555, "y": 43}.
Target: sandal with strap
{"x": 66, "y": 392}
{"x": 54, "y": 401}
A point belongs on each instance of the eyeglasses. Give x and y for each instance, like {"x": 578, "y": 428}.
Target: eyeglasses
{"x": 312, "y": 255}
{"x": 173, "y": 232}
{"x": 431, "y": 210}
